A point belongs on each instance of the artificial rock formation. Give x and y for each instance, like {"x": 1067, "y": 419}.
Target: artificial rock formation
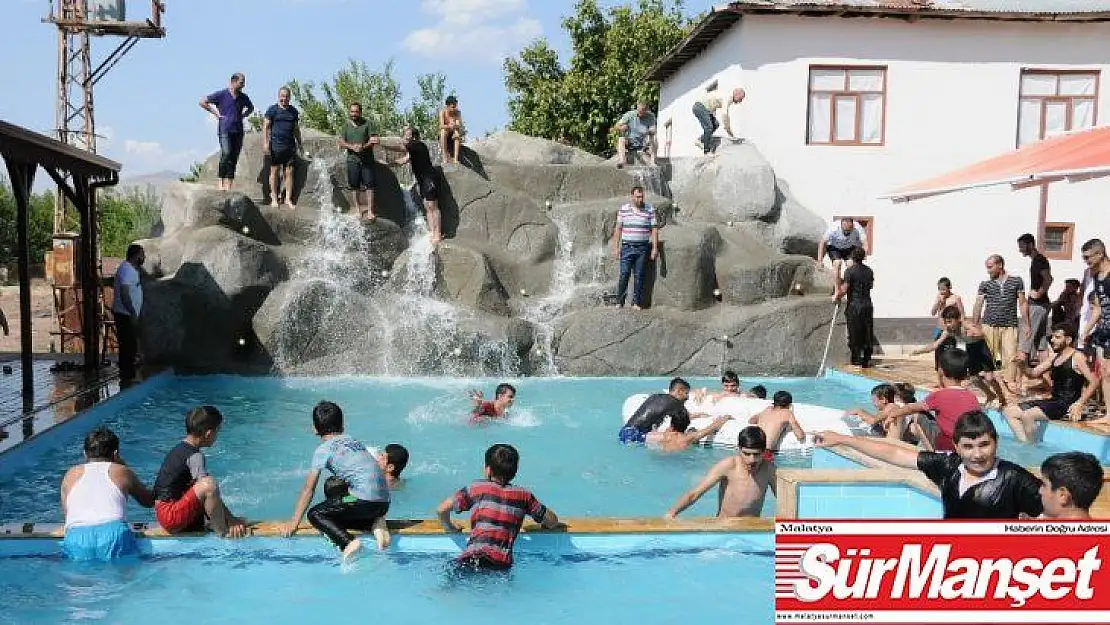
{"x": 522, "y": 285}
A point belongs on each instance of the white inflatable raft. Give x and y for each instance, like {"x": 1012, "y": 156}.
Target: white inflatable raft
{"x": 812, "y": 419}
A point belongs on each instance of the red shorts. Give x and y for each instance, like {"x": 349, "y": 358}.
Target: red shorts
{"x": 185, "y": 514}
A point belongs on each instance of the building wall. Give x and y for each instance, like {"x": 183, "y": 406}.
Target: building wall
{"x": 952, "y": 99}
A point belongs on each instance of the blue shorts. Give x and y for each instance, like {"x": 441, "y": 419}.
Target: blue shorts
{"x": 104, "y": 542}
{"x": 632, "y": 435}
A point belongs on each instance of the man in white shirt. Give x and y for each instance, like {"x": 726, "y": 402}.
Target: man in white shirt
{"x": 838, "y": 243}
{"x": 127, "y": 304}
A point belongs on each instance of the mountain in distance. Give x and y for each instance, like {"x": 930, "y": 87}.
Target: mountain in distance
{"x": 154, "y": 183}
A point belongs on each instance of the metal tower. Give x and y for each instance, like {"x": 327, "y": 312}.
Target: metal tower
{"x": 77, "y": 21}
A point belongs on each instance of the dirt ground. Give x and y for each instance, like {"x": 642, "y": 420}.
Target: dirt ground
{"x": 42, "y": 317}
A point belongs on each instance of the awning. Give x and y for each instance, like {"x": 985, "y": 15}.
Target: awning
{"x": 1073, "y": 156}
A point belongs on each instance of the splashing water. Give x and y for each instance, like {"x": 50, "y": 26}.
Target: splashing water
{"x": 576, "y": 269}
{"x": 339, "y": 254}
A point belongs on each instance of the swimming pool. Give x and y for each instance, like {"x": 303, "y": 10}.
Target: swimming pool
{"x": 557, "y": 579}
{"x": 565, "y": 429}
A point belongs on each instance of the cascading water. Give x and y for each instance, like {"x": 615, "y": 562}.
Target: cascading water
{"x": 576, "y": 270}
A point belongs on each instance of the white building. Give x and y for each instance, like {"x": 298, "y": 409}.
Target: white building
{"x": 852, "y": 100}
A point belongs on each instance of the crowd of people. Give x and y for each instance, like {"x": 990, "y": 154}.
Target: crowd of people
{"x": 282, "y": 145}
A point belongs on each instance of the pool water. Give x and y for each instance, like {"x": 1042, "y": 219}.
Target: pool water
{"x": 565, "y": 429}
{"x": 663, "y": 579}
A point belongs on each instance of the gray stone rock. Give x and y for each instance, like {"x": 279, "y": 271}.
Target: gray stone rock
{"x": 302, "y": 320}
{"x": 736, "y": 185}
{"x": 192, "y": 205}
{"x": 461, "y": 275}
{"x": 231, "y": 262}
{"x": 685, "y": 272}
{"x": 476, "y": 211}
{"x": 783, "y": 337}
{"x": 514, "y": 147}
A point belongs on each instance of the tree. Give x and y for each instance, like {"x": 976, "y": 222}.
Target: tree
{"x": 196, "y": 171}
{"x": 611, "y": 53}
{"x": 125, "y": 216}
{"x": 323, "y": 105}
{"x": 41, "y": 224}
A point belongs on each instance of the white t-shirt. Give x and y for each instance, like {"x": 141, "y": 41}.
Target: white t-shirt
{"x": 835, "y": 237}
{"x": 127, "y": 277}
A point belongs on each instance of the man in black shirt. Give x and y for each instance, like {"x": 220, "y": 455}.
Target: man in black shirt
{"x": 418, "y": 157}
{"x": 974, "y": 482}
{"x": 860, "y": 313}
{"x": 1040, "y": 306}
{"x": 655, "y": 409}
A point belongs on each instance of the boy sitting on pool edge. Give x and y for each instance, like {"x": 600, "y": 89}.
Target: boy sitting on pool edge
{"x": 498, "y": 512}
{"x": 503, "y": 397}
{"x": 350, "y": 461}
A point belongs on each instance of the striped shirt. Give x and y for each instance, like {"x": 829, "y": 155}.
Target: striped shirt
{"x": 636, "y": 223}
{"x": 1000, "y": 300}
{"x": 499, "y": 512}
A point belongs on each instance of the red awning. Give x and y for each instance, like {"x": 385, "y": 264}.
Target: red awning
{"x": 1074, "y": 156}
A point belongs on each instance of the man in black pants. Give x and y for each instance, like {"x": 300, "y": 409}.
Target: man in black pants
{"x": 127, "y": 303}
{"x": 418, "y": 157}
{"x": 860, "y": 313}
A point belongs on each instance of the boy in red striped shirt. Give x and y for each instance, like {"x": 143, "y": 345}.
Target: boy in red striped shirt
{"x": 498, "y": 512}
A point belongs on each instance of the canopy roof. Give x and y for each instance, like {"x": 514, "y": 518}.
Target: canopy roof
{"x": 1073, "y": 156}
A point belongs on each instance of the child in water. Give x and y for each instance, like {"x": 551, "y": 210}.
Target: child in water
{"x": 503, "y": 398}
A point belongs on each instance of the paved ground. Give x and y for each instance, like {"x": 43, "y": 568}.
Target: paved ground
{"x": 42, "y": 317}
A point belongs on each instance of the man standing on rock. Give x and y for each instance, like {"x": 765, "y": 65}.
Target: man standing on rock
{"x": 230, "y": 106}
{"x": 996, "y": 309}
{"x": 860, "y": 312}
{"x": 418, "y": 157}
{"x": 127, "y": 303}
{"x": 281, "y": 139}
{"x": 635, "y": 241}
{"x": 637, "y": 133}
{"x": 359, "y": 141}
{"x": 705, "y": 110}
{"x": 839, "y": 243}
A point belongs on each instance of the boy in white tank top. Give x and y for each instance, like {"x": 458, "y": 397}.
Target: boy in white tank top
{"x": 94, "y": 499}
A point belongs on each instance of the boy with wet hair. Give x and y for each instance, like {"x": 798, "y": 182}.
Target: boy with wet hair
{"x": 498, "y": 511}
{"x": 1070, "y": 483}
{"x": 679, "y": 436}
{"x": 759, "y": 391}
{"x": 777, "y": 418}
{"x": 184, "y": 492}
{"x": 367, "y": 502}
{"x": 948, "y": 402}
{"x": 503, "y": 397}
{"x": 655, "y": 409}
{"x": 980, "y": 361}
{"x": 393, "y": 459}
{"x": 743, "y": 479}
{"x": 974, "y": 482}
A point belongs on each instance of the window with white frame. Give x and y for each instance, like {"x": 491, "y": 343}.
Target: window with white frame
{"x": 1053, "y": 101}
{"x": 847, "y": 105}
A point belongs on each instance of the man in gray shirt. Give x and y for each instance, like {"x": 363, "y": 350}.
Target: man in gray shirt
{"x": 996, "y": 308}
{"x": 637, "y": 133}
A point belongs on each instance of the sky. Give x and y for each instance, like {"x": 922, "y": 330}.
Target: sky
{"x": 147, "y": 112}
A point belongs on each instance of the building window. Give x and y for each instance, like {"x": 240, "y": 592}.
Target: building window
{"x": 1058, "y": 237}
{"x": 1053, "y": 102}
{"x": 866, "y": 224}
{"x": 847, "y": 105}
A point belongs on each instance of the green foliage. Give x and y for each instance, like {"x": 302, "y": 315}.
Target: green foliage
{"x": 612, "y": 51}
{"x": 323, "y": 105}
{"x": 196, "y": 170}
{"x": 41, "y": 220}
{"x": 125, "y": 216}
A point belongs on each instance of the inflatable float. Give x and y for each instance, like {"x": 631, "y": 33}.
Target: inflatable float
{"x": 812, "y": 419}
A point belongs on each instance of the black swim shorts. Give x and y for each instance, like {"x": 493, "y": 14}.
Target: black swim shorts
{"x": 836, "y": 253}
{"x": 429, "y": 192}
{"x": 360, "y": 175}
{"x": 282, "y": 157}
{"x": 1054, "y": 409}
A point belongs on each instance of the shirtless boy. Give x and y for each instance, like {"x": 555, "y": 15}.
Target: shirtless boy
{"x": 680, "y": 436}
{"x": 730, "y": 387}
{"x": 980, "y": 362}
{"x": 1070, "y": 483}
{"x": 777, "y": 418}
{"x": 744, "y": 479}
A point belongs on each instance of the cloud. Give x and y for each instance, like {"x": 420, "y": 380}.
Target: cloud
{"x": 482, "y": 29}
{"x": 140, "y": 157}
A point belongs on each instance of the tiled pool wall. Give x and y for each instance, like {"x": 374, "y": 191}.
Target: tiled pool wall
{"x": 1055, "y": 435}
{"x": 540, "y": 543}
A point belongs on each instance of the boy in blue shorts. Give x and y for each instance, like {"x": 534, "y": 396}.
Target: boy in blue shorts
{"x": 498, "y": 513}
{"x": 349, "y": 460}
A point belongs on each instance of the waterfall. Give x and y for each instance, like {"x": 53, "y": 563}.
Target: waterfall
{"x": 339, "y": 253}
{"x": 576, "y": 270}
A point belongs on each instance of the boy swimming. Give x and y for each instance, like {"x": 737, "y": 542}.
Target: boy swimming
{"x": 503, "y": 397}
